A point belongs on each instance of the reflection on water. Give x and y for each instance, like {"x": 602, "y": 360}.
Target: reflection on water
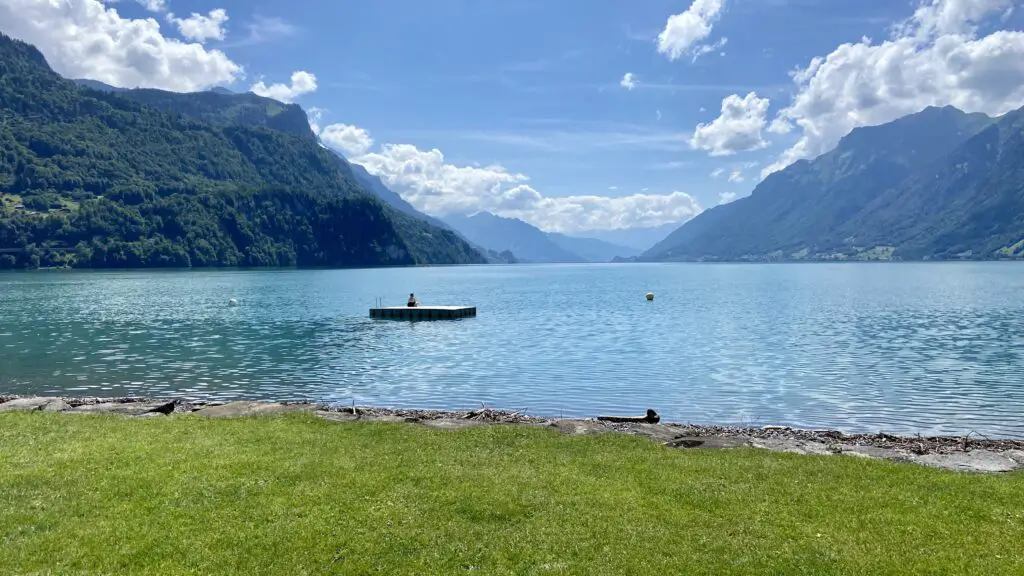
{"x": 903, "y": 348}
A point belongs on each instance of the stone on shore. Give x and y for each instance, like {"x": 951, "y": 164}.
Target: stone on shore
{"x": 580, "y": 427}
{"x": 792, "y": 446}
{"x": 708, "y": 442}
{"x": 659, "y": 432}
{"x": 44, "y": 403}
{"x": 973, "y": 461}
{"x": 450, "y": 424}
{"x": 247, "y": 408}
{"x": 875, "y": 452}
{"x": 337, "y": 416}
{"x": 388, "y": 418}
{"x": 125, "y": 408}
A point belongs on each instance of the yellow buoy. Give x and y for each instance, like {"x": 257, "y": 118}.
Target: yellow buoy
{"x": 650, "y": 296}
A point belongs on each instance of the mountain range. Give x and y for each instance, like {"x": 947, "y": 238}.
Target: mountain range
{"x": 639, "y": 238}
{"x": 531, "y": 244}
{"x": 94, "y": 175}
{"x": 939, "y": 184}
{"x": 98, "y": 177}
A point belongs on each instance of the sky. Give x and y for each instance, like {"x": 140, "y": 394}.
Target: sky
{"x": 573, "y": 115}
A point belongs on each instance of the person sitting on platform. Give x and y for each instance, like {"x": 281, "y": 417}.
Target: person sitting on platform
{"x": 412, "y": 301}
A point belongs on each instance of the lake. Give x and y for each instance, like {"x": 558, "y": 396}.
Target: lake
{"x": 904, "y": 348}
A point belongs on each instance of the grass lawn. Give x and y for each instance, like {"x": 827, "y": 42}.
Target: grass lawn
{"x": 297, "y": 495}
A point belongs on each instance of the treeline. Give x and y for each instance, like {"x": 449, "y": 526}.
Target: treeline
{"x": 266, "y": 228}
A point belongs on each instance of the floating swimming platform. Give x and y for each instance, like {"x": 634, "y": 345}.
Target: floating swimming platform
{"x": 423, "y": 312}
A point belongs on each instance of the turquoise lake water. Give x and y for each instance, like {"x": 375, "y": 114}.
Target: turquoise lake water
{"x": 904, "y": 348}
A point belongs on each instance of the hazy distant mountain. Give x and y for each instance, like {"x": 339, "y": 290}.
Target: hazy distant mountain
{"x": 527, "y": 242}
{"x": 376, "y": 185}
{"x": 936, "y": 184}
{"x": 639, "y": 238}
{"x": 592, "y": 249}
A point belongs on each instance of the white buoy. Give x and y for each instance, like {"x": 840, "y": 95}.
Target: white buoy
{"x": 650, "y": 296}
{"x": 232, "y": 302}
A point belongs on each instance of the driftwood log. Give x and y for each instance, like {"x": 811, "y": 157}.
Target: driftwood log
{"x": 650, "y": 418}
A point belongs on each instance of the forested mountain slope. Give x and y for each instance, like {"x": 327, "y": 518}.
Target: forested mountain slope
{"x": 936, "y": 184}
{"x": 94, "y": 178}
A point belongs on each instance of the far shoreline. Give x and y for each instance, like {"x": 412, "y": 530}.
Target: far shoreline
{"x": 170, "y": 269}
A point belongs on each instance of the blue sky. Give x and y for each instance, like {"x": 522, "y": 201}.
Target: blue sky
{"x": 520, "y": 107}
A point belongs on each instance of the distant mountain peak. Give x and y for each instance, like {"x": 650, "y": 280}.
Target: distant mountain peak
{"x": 529, "y": 243}
{"x": 499, "y": 233}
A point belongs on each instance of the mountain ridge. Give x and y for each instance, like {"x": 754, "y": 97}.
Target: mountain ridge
{"x": 842, "y": 204}
{"x": 592, "y": 249}
{"x": 531, "y": 244}
{"x": 94, "y": 178}
{"x": 499, "y": 233}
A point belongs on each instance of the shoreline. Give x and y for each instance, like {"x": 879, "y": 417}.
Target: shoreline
{"x": 969, "y": 453}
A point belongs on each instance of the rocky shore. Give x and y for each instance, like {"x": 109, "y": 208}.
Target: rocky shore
{"x": 971, "y": 453}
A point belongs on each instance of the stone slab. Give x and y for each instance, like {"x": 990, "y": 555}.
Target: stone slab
{"x": 246, "y": 408}
{"x": 448, "y": 424}
{"x": 126, "y": 408}
{"x": 973, "y": 461}
{"x": 387, "y": 418}
{"x": 580, "y": 427}
{"x": 336, "y": 416}
{"x": 792, "y": 446}
{"x": 708, "y": 442}
{"x": 1015, "y": 455}
{"x": 659, "y": 432}
{"x": 44, "y": 403}
{"x": 875, "y": 453}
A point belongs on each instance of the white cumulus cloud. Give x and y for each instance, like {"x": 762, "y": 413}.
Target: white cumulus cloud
{"x": 154, "y": 5}
{"x": 935, "y": 58}
{"x": 435, "y": 186}
{"x": 315, "y": 116}
{"x": 737, "y": 129}
{"x": 86, "y": 39}
{"x": 628, "y": 81}
{"x": 302, "y": 82}
{"x": 726, "y": 197}
{"x": 349, "y": 140}
{"x": 685, "y": 31}
{"x": 199, "y": 27}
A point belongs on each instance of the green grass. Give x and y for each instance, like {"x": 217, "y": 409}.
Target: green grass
{"x": 298, "y": 495}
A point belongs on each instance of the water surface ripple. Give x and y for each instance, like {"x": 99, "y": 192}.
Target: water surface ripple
{"x": 904, "y": 348}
